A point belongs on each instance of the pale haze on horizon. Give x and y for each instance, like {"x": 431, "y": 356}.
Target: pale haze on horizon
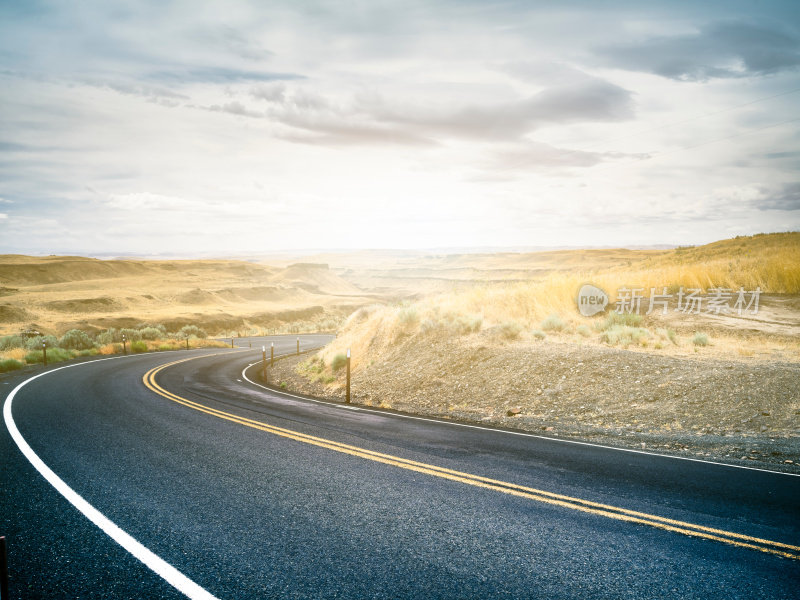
{"x": 225, "y": 127}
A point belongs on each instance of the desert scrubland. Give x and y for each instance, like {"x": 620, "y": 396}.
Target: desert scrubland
{"x": 483, "y": 337}
{"x": 712, "y": 379}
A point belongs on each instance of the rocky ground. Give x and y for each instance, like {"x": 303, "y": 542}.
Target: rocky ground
{"x": 736, "y": 411}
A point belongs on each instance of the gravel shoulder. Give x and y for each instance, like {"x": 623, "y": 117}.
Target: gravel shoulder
{"x": 733, "y": 411}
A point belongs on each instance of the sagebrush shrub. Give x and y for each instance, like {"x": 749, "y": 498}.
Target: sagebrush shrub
{"x": 76, "y": 339}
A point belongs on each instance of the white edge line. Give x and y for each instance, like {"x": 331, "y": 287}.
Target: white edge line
{"x": 155, "y": 563}
{"x": 517, "y": 433}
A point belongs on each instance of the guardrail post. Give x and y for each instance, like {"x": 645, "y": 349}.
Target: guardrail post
{"x": 44, "y": 353}
{"x": 347, "y": 397}
{"x": 3, "y": 569}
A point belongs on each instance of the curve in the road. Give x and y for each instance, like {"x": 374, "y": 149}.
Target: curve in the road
{"x": 605, "y": 510}
{"x": 158, "y": 565}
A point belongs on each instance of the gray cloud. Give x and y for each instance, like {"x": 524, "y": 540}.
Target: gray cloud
{"x": 588, "y": 101}
{"x": 373, "y": 119}
{"x": 217, "y": 75}
{"x": 534, "y": 156}
{"x": 333, "y": 132}
{"x": 270, "y": 93}
{"x": 232, "y": 40}
{"x": 319, "y": 122}
{"x": 727, "y": 49}
{"x": 785, "y": 197}
{"x": 235, "y": 108}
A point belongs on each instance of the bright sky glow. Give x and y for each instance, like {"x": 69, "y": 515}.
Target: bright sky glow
{"x": 223, "y": 127}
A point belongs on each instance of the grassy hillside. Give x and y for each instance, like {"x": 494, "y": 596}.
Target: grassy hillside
{"x": 547, "y": 305}
{"x": 54, "y": 294}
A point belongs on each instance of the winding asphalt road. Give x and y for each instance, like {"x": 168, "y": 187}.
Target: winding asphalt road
{"x": 249, "y": 493}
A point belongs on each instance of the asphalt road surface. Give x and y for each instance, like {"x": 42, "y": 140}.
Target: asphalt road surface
{"x": 234, "y": 491}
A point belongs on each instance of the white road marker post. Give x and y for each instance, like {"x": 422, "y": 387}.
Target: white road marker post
{"x": 264, "y": 363}
{"x": 271, "y": 354}
{"x": 44, "y": 353}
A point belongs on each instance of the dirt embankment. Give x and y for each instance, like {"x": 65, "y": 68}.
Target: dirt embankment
{"x": 734, "y": 411}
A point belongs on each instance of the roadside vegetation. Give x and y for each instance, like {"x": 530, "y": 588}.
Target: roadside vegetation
{"x": 544, "y": 309}
{"x": 19, "y": 350}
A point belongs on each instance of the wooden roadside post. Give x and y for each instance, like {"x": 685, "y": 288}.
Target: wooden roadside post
{"x": 44, "y": 353}
{"x": 124, "y": 347}
{"x": 347, "y": 397}
{"x": 271, "y": 354}
{"x": 298, "y": 346}
{"x": 3, "y": 569}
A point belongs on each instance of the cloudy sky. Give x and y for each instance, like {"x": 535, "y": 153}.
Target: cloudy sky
{"x": 223, "y": 127}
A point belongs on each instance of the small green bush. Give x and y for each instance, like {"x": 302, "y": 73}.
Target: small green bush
{"x": 510, "y": 330}
{"x": 109, "y": 336}
{"x": 35, "y": 357}
{"x": 151, "y": 333}
{"x": 283, "y": 385}
{"x": 584, "y": 330}
{"x": 462, "y": 325}
{"x": 553, "y": 323}
{"x": 131, "y": 335}
{"x": 9, "y": 364}
{"x": 615, "y": 318}
{"x": 452, "y": 324}
{"x": 188, "y": 332}
{"x": 700, "y": 339}
{"x": 339, "y": 361}
{"x": 159, "y": 326}
{"x": 624, "y": 335}
{"x": 54, "y": 355}
{"x": 35, "y": 343}
{"x": 76, "y": 339}
{"x": 7, "y": 342}
{"x": 88, "y": 352}
{"x": 138, "y": 346}
{"x": 538, "y": 334}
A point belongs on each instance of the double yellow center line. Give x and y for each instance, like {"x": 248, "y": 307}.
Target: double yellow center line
{"x": 587, "y": 506}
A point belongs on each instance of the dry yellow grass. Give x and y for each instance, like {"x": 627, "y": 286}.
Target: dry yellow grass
{"x": 770, "y": 262}
{"x": 15, "y": 353}
{"x": 111, "y": 349}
